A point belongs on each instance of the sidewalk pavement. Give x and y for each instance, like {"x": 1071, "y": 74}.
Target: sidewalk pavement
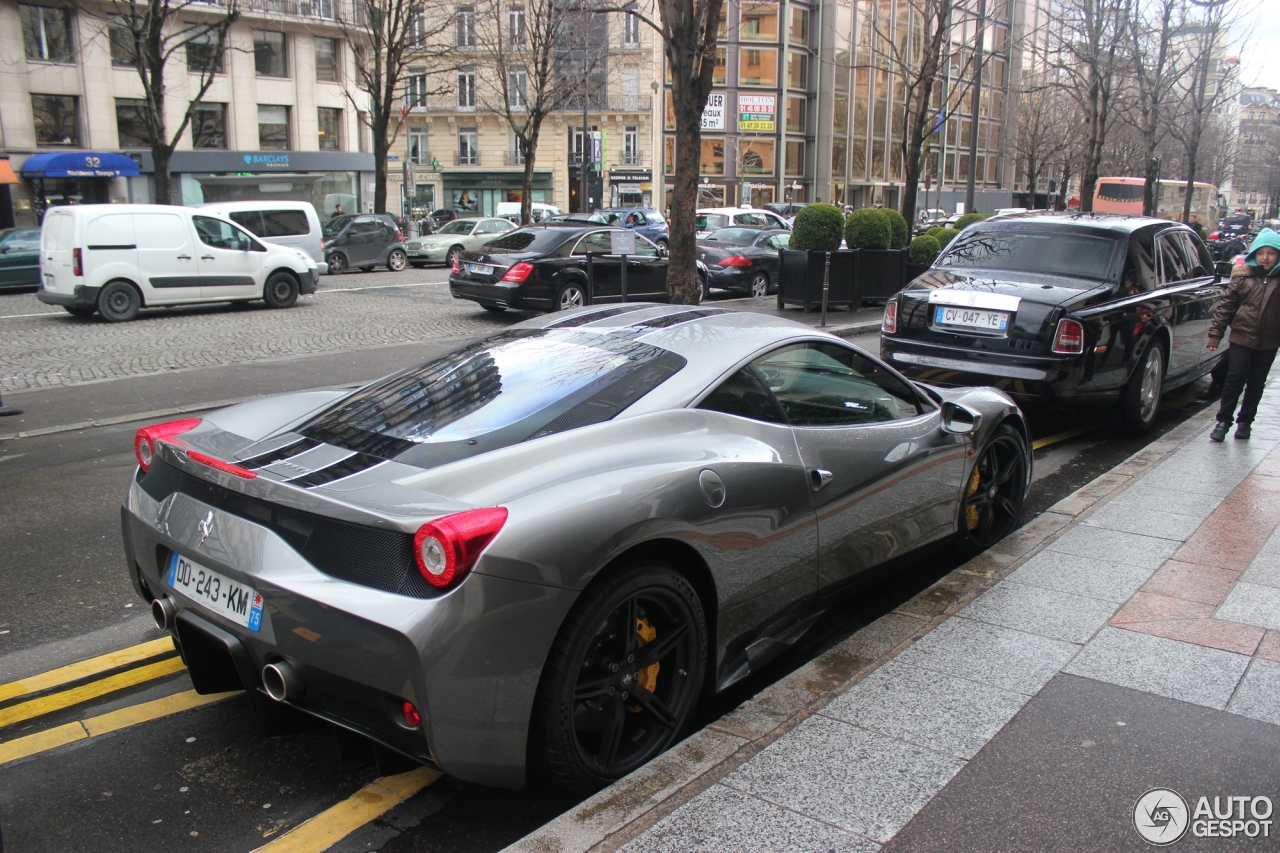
{"x": 1127, "y": 639}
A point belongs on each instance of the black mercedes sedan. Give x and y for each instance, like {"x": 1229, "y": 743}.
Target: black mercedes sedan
{"x": 557, "y": 265}
{"x": 744, "y": 259}
{"x": 1062, "y": 310}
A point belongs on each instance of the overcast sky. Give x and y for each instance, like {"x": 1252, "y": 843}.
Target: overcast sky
{"x": 1259, "y": 52}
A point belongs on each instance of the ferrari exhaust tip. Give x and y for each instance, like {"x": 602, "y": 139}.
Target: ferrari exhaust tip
{"x": 164, "y": 611}
{"x": 281, "y": 681}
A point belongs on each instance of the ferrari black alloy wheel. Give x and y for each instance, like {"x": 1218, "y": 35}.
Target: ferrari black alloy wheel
{"x": 623, "y": 678}
{"x": 994, "y": 491}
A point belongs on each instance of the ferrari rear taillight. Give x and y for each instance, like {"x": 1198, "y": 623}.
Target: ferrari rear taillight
{"x": 736, "y": 261}
{"x": 519, "y": 273}
{"x": 144, "y": 443}
{"x": 447, "y": 548}
{"x": 77, "y": 262}
{"x": 412, "y": 718}
{"x": 218, "y": 464}
{"x": 889, "y": 324}
{"x": 1069, "y": 339}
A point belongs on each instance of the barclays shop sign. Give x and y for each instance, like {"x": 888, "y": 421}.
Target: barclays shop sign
{"x": 233, "y": 162}
{"x": 276, "y": 160}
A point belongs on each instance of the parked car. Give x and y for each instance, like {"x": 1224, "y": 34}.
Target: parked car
{"x": 534, "y": 553}
{"x": 440, "y": 217}
{"x": 538, "y": 211}
{"x": 715, "y": 218}
{"x": 1065, "y": 310}
{"x": 20, "y": 257}
{"x": 743, "y": 259}
{"x": 364, "y": 240}
{"x": 544, "y": 268}
{"x": 642, "y": 220}
{"x": 460, "y": 235}
{"x": 118, "y": 258}
{"x": 287, "y": 223}
{"x": 787, "y": 209}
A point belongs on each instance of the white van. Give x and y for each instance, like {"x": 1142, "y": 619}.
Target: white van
{"x": 538, "y": 210}
{"x": 117, "y": 258}
{"x": 287, "y": 223}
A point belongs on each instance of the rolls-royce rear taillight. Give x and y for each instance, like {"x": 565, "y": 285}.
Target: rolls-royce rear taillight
{"x": 1069, "y": 339}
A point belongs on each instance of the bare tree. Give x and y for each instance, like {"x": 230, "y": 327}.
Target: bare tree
{"x": 149, "y": 33}
{"x": 387, "y": 36}
{"x": 1154, "y": 72}
{"x": 1046, "y": 125}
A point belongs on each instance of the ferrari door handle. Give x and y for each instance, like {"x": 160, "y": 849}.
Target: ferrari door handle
{"x": 819, "y": 477}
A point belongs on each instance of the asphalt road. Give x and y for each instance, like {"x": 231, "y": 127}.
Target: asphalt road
{"x": 141, "y": 767}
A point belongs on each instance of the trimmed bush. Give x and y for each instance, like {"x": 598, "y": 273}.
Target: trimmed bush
{"x": 818, "y": 227}
{"x": 868, "y": 228}
{"x": 968, "y": 219}
{"x": 899, "y": 233}
{"x": 942, "y": 234}
{"x": 924, "y": 250}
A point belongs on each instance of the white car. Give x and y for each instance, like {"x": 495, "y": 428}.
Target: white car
{"x": 287, "y": 223}
{"x": 714, "y": 218}
{"x": 118, "y": 258}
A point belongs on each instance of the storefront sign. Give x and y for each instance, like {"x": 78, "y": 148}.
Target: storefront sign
{"x": 258, "y": 161}
{"x": 713, "y": 112}
{"x": 756, "y": 112}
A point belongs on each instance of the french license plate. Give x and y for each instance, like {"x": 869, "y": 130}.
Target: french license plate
{"x": 993, "y": 321}
{"x": 219, "y": 593}
{"x": 480, "y": 269}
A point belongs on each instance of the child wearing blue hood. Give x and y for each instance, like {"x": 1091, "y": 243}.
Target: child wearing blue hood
{"x": 1252, "y": 309}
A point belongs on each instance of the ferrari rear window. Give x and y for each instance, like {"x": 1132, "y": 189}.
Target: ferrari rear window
{"x": 496, "y": 392}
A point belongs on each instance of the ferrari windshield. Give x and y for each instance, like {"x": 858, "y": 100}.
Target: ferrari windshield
{"x": 1045, "y": 251}
{"x": 508, "y": 388}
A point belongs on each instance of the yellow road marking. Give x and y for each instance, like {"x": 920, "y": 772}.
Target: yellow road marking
{"x": 76, "y": 695}
{"x": 85, "y": 668}
{"x": 1062, "y": 436}
{"x": 104, "y": 723}
{"x": 335, "y": 823}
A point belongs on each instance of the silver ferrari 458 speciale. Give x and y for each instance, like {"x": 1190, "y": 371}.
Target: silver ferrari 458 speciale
{"x": 534, "y": 554}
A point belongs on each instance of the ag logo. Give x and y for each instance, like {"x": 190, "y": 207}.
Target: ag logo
{"x": 1161, "y": 816}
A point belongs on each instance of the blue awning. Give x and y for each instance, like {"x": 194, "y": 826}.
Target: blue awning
{"x": 79, "y": 164}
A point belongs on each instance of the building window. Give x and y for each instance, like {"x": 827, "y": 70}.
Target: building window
{"x": 468, "y": 147}
{"x": 419, "y": 152}
{"x": 631, "y": 146}
{"x": 631, "y": 87}
{"x": 268, "y": 54}
{"x": 795, "y": 157}
{"x": 797, "y": 70}
{"x": 204, "y": 54}
{"x": 467, "y": 88}
{"x": 415, "y": 85}
{"x": 516, "y": 157}
{"x": 330, "y": 128}
{"x": 209, "y": 126}
{"x": 631, "y": 30}
{"x": 712, "y": 160}
{"x": 669, "y": 157}
{"x": 46, "y": 32}
{"x": 516, "y": 35}
{"x": 464, "y": 27}
{"x": 758, "y": 67}
{"x": 417, "y": 31}
{"x": 755, "y": 157}
{"x": 720, "y": 74}
{"x": 759, "y": 22}
{"x": 518, "y": 88}
{"x": 120, "y": 40}
{"x": 799, "y": 31}
{"x": 131, "y": 123}
{"x": 273, "y": 128}
{"x": 795, "y": 115}
{"x": 56, "y": 119}
{"x": 326, "y": 60}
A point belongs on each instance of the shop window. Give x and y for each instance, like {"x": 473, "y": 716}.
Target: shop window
{"x": 269, "y": 57}
{"x": 712, "y": 162}
{"x": 326, "y": 60}
{"x": 330, "y": 128}
{"x": 795, "y": 157}
{"x": 204, "y": 54}
{"x": 468, "y": 147}
{"x": 56, "y": 119}
{"x": 797, "y": 70}
{"x": 759, "y": 22}
{"x": 795, "y": 115}
{"x": 131, "y": 123}
{"x": 46, "y": 33}
{"x": 758, "y": 66}
{"x": 798, "y": 33}
{"x": 419, "y": 150}
{"x": 273, "y": 128}
{"x": 464, "y": 27}
{"x": 755, "y": 157}
{"x": 209, "y": 126}
{"x": 120, "y": 40}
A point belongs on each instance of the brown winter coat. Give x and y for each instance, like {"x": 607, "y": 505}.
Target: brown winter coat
{"x": 1242, "y": 306}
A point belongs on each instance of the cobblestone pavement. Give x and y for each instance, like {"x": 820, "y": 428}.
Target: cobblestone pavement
{"x": 43, "y": 346}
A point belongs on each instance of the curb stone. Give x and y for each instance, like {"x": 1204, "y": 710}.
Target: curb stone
{"x": 624, "y": 810}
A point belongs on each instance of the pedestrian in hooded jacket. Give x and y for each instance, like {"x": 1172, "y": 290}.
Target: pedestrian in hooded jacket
{"x": 1252, "y": 309}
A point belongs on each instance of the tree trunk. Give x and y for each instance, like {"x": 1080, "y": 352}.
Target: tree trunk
{"x": 161, "y": 154}
{"x": 380, "y": 149}
{"x": 683, "y": 285}
{"x": 526, "y": 181}
{"x": 1033, "y": 174}
{"x": 1151, "y": 189}
{"x": 1191, "y": 185}
{"x": 1061, "y": 203}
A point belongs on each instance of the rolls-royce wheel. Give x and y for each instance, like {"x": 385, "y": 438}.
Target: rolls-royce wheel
{"x": 1140, "y": 401}
{"x": 623, "y": 677}
{"x": 994, "y": 492}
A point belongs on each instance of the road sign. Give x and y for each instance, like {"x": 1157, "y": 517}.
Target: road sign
{"x": 622, "y": 242}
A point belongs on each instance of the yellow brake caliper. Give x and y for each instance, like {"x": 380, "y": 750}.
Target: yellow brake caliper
{"x": 971, "y": 515}
{"x": 647, "y": 677}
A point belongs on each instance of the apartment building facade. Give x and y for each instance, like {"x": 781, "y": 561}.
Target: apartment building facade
{"x": 456, "y": 149}
{"x": 1255, "y": 184}
{"x": 280, "y": 120}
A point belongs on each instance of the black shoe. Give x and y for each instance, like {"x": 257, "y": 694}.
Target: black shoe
{"x": 1219, "y": 431}
{"x": 9, "y": 410}
{"x": 1243, "y": 432}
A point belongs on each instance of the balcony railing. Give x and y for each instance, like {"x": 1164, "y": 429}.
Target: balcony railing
{"x": 514, "y": 158}
{"x": 460, "y": 159}
{"x": 350, "y": 11}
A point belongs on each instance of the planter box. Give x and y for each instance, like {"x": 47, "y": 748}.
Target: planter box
{"x": 914, "y": 271}
{"x": 879, "y": 273}
{"x": 800, "y": 280}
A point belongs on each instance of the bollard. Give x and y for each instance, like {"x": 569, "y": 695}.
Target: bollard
{"x": 826, "y": 286}
{"x": 624, "y": 277}
{"x": 591, "y": 280}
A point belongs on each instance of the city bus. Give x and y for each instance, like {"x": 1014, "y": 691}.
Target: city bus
{"x": 1124, "y": 195}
